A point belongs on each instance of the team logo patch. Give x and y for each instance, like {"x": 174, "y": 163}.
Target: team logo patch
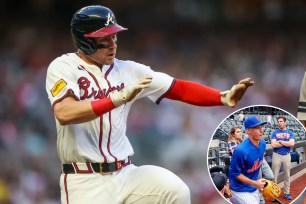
{"x": 58, "y": 87}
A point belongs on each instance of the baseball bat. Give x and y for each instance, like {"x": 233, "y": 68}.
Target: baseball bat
{"x": 278, "y": 201}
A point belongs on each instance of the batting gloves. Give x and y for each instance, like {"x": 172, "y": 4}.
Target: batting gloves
{"x": 128, "y": 93}
{"x": 231, "y": 97}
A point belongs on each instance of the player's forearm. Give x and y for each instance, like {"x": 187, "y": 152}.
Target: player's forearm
{"x": 259, "y": 184}
{"x": 244, "y": 179}
{"x": 275, "y": 144}
{"x": 70, "y": 111}
{"x": 194, "y": 93}
{"x": 289, "y": 143}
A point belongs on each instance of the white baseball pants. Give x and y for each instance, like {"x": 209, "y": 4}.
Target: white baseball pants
{"x": 130, "y": 185}
{"x": 247, "y": 197}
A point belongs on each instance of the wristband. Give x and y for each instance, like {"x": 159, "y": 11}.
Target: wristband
{"x": 102, "y": 106}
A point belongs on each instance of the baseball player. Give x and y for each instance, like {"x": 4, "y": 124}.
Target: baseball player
{"x": 302, "y": 102}
{"x": 91, "y": 93}
{"x": 282, "y": 140}
{"x": 246, "y": 162}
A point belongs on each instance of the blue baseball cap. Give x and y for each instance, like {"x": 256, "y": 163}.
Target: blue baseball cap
{"x": 253, "y": 121}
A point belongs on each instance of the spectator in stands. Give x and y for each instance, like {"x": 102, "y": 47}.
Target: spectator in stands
{"x": 269, "y": 119}
{"x": 302, "y": 102}
{"x": 282, "y": 140}
{"x": 235, "y": 138}
{"x": 241, "y": 117}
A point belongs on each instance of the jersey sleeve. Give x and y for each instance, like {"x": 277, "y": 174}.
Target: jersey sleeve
{"x": 237, "y": 163}
{"x": 273, "y": 136}
{"x": 302, "y": 101}
{"x": 60, "y": 82}
{"x": 264, "y": 145}
{"x": 160, "y": 85}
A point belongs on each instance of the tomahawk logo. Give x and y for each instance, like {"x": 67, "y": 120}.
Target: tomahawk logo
{"x": 109, "y": 19}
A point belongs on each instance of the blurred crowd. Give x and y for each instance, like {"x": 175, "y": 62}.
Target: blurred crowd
{"x": 215, "y": 43}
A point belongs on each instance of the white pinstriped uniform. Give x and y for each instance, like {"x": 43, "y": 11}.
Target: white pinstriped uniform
{"x": 104, "y": 139}
{"x": 247, "y": 197}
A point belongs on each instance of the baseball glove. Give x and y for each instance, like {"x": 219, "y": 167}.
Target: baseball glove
{"x": 271, "y": 191}
{"x": 231, "y": 97}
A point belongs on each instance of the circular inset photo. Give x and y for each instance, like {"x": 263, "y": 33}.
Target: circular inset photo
{"x": 257, "y": 155}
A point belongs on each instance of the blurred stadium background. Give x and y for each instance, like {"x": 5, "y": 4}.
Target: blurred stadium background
{"x": 214, "y": 42}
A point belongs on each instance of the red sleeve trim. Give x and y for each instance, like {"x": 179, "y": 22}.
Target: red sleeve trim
{"x": 194, "y": 93}
{"x": 69, "y": 92}
{"x": 169, "y": 90}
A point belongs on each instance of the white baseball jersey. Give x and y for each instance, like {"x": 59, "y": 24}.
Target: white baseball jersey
{"x": 103, "y": 139}
{"x": 302, "y": 101}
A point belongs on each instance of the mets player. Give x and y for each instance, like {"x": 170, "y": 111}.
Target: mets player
{"x": 246, "y": 162}
{"x": 91, "y": 93}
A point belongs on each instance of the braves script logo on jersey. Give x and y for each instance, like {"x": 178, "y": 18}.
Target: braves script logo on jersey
{"x": 88, "y": 92}
{"x": 255, "y": 166}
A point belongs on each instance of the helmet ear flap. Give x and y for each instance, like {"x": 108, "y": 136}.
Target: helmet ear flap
{"x": 87, "y": 45}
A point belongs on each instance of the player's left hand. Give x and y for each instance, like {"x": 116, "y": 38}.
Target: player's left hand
{"x": 128, "y": 93}
{"x": 231, "y": 97}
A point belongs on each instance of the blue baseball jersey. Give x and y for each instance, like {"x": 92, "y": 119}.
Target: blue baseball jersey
{"x": 246, "y": 160}
{"x": 283, "y": 135}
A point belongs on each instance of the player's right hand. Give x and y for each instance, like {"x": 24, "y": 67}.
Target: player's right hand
{"x": 260, "y": 183}
{"x": 128, "y": 93}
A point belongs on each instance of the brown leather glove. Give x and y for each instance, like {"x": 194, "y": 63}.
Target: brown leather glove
{"x": 271, "y": 190}
{"x": 231, "y": 97}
